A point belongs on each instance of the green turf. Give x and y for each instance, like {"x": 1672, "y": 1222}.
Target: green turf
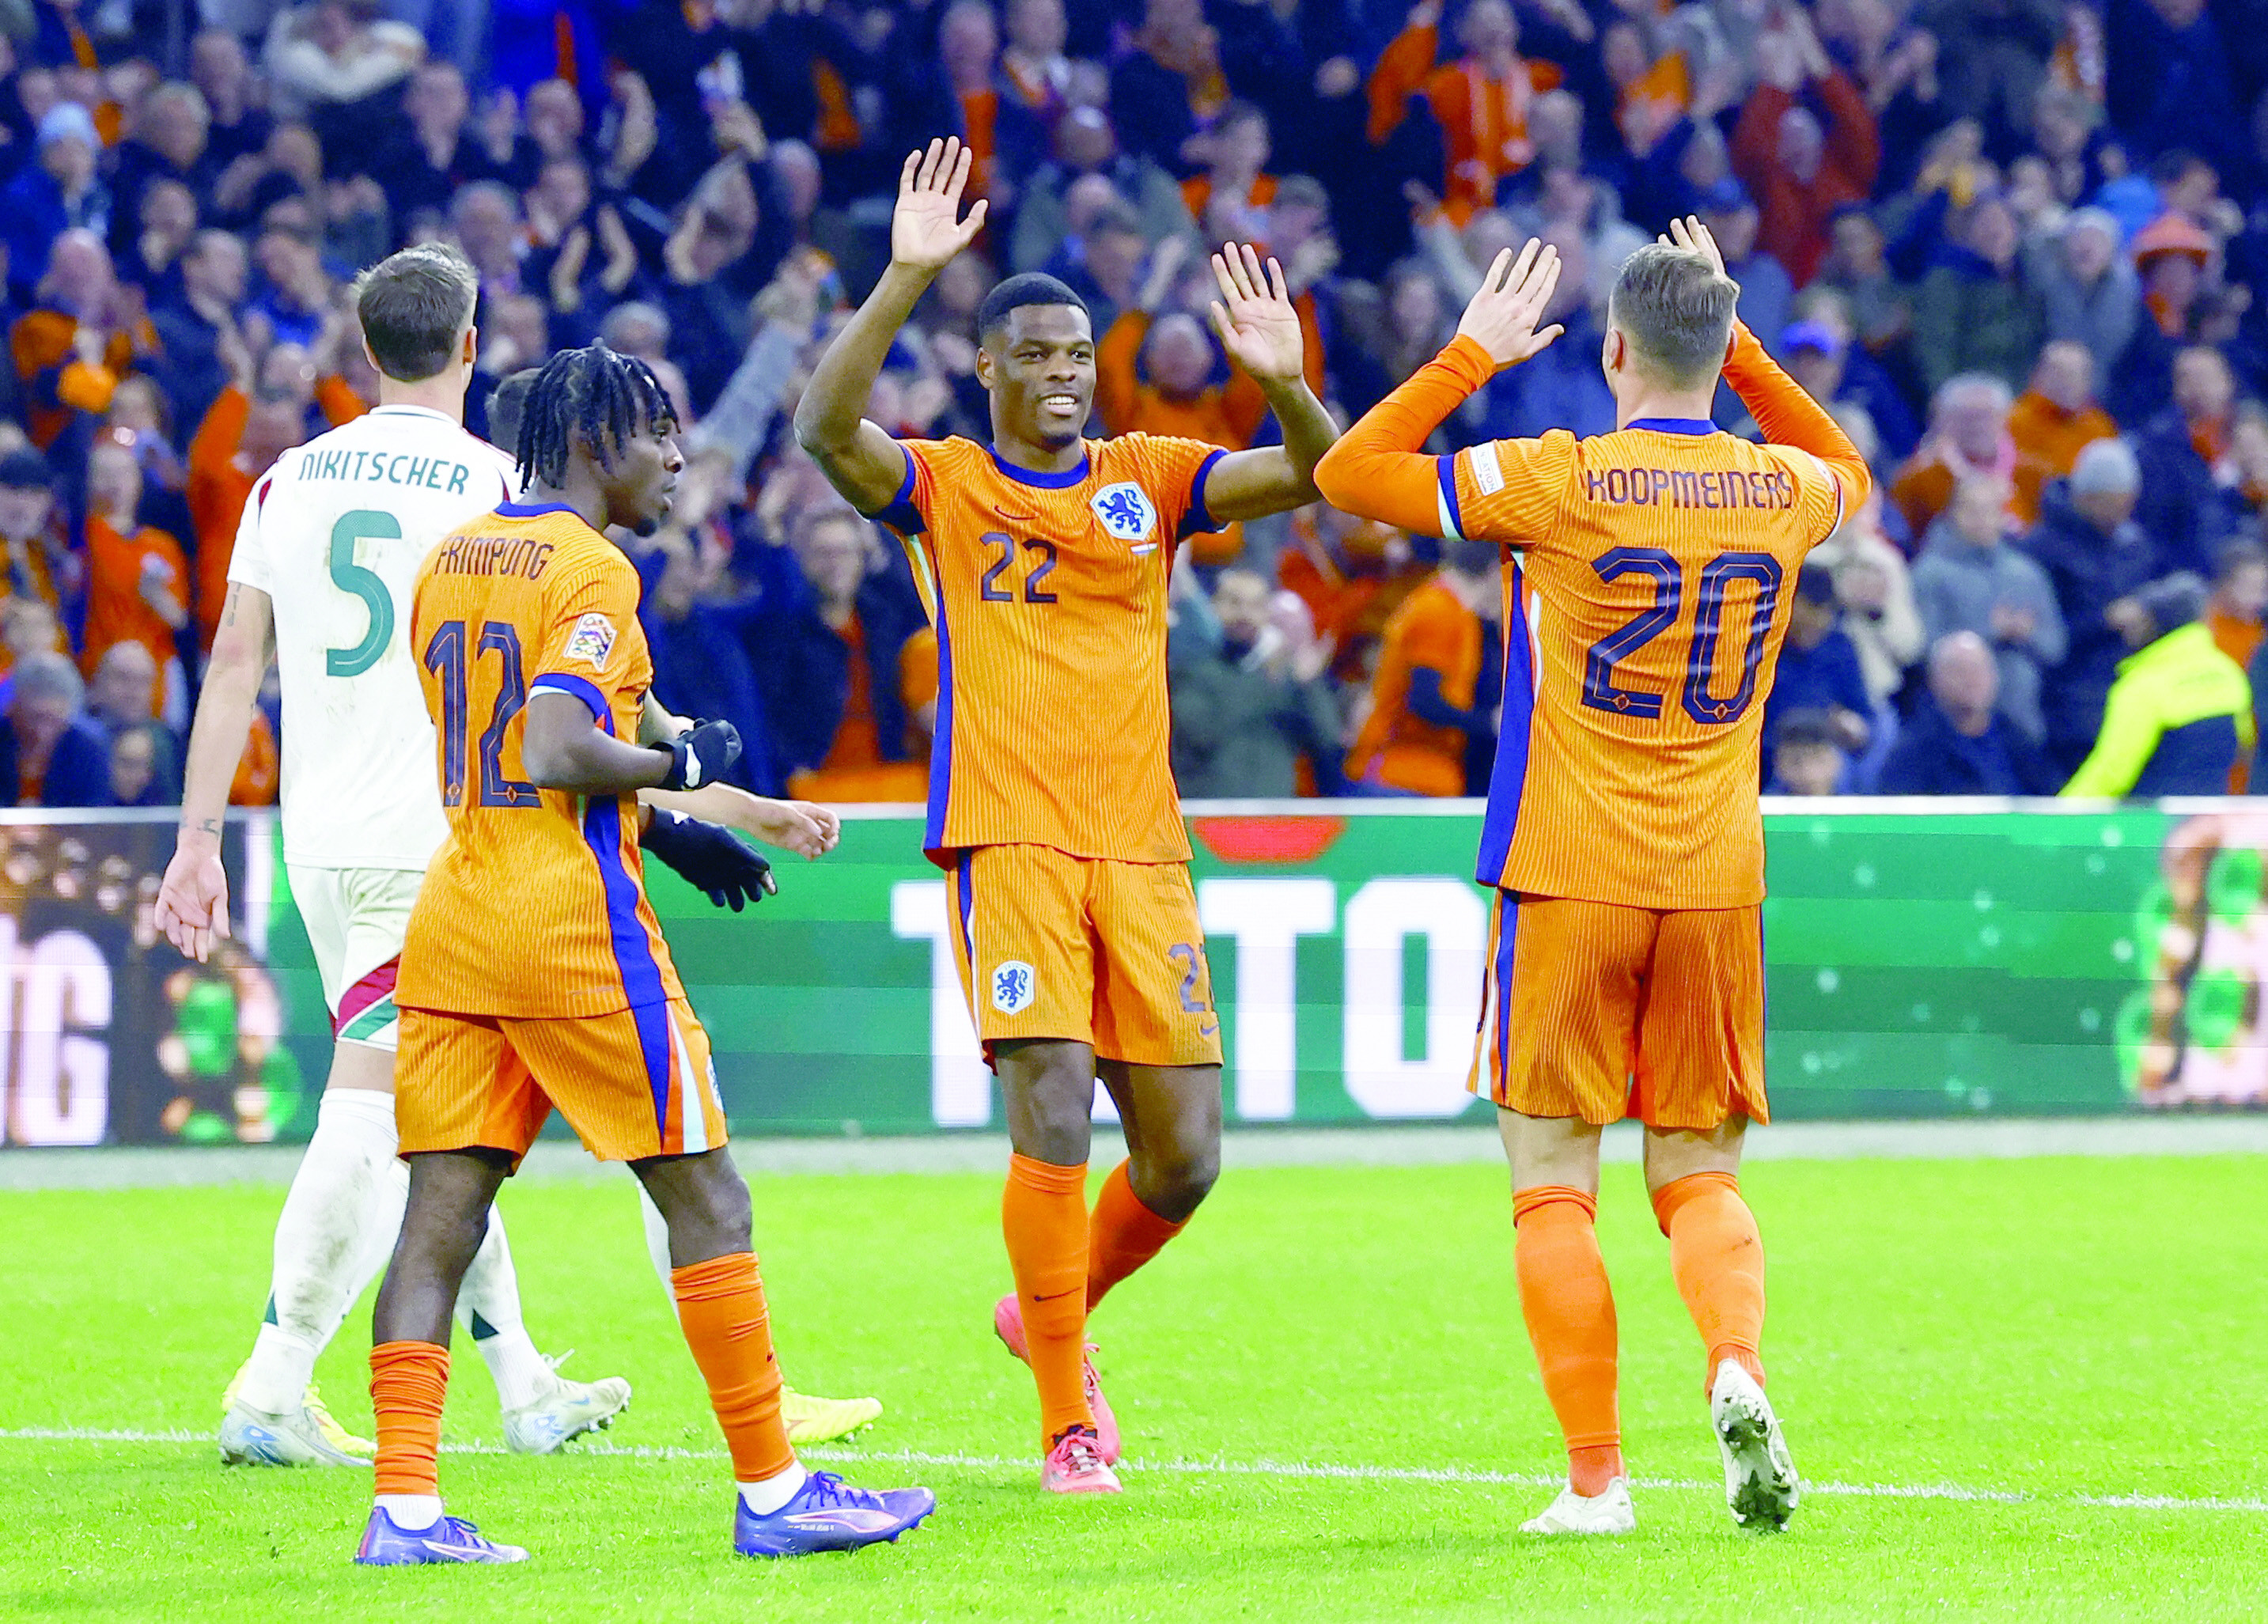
{"x": 2051, "y": 1329}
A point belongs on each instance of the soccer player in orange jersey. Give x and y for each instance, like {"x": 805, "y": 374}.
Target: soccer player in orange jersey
{"x": 1648, "y": 574}
{"x": 535, "y": 973}
{"x": 1044, "y": 559}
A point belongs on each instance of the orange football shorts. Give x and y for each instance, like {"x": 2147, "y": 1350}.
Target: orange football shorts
{"x": 633, "y": 1084}
{"x": 1595, "y": 1011}
{"x": 1108, "y": 954}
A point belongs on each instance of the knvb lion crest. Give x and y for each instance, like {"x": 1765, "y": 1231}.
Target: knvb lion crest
{"x": 1125, "y": 511}
{"x": 1012, "y": 986}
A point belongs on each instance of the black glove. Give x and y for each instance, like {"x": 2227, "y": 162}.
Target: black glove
{"x": 709, "y": 857}
{"x": 702, "y": 755}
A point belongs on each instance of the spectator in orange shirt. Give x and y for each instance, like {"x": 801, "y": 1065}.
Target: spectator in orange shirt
{"x": 137, "y": 586}
{"x": 40, "y": 561}
{"x": 1431, "y": 727}
{"x": 1968, "y": 440}
{"x": 1154, "y": 375}
{"x": 1800, "y": 170}
{"x": 1481, "y": 101}
{"x": 1353, "y": 574}
{"x": 851, "y": 677}
{"x": 2240, "y": 595}
{"x": 1236, "y": 180}
{"x": 85, "y": 334}
{"x": 2053, "y": 421}
{"x": 238, "y": 442}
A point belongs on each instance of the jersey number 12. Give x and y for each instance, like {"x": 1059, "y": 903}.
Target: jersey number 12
{"x": 446, "y": 657}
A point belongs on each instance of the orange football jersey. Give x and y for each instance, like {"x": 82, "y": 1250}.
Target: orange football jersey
{"x": 1048, "y": 592}
{"x": 535, "y": 905}
{"x": 1646, "y": 601}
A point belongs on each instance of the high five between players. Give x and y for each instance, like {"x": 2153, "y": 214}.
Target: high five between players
{"x": 1042, "y": 560}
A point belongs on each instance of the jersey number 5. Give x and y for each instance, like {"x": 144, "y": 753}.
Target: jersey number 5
{"x": 1717, "y": 576}
{"x": 365, "y": 583}
{"x": 444, "y": 658}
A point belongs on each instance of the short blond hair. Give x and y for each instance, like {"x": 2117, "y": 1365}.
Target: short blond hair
{"x": 1677, "y": 311}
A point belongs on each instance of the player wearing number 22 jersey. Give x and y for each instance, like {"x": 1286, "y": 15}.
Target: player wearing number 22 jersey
{"x": 1044, "y": 560}
{"x": 1647, "y": 577}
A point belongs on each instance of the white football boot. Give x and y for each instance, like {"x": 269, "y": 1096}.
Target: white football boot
{"x": 1607, "y": 1512}
{"x": 250, "y": 1438}
{"x": 1760, "y": 1482}
{"x": 565, "y": 1409}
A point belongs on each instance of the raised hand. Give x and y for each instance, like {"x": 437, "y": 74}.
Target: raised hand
{"x": 927, "y": 230}
{"x": 1690, "y": 233}
{"x": 1513, "y": 297}
{"x": 1254, "y": 318}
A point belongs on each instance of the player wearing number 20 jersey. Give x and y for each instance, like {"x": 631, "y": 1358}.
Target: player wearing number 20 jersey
{"x": 1647, "y": 578}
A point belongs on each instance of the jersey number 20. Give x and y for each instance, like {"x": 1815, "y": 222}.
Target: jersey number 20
{"x": 446, "y": 658}
{"x": 1717, "y": 576}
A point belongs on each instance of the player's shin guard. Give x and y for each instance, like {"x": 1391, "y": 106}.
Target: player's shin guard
{"x": 1570, "y": 1310}
{"x": 720, "y": 1306}
{"x": 337, "y": 1229}
{"x": 1718, "y": 1260}
{"x": 1043, "y": 1216}
{"x": 1121, "y": 1236}
{"x": 408, "y": 1382}
{"x": 488, "y": 1306}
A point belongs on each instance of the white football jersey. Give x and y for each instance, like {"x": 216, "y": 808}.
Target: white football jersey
{"x": 334, "y": 533}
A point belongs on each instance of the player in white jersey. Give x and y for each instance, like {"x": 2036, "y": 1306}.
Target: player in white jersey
{"x": 325, "y": 557}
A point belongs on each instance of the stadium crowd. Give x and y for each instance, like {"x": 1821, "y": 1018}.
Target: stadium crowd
{"x": 2015, "y": 243}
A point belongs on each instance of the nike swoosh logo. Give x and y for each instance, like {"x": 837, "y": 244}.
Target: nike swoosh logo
{"x": 1208, "y": 1029}
{"x": 1052, "y": 1296}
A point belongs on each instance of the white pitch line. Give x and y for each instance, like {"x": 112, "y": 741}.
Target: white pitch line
{"x": 1311, "y": 1469}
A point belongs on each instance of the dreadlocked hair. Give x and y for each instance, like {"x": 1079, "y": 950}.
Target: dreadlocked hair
{"x": 597, "y": 395}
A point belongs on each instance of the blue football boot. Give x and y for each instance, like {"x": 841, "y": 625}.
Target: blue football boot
{"x": 828, "y": 1514}
{"x": 452, "y": 1540}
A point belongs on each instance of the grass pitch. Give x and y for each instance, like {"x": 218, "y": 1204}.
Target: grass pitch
{"x": 2016, "y": 1389}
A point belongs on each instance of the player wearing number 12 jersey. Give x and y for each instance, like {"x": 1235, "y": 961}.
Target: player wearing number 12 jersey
{"x": 1647, "y": 580}
{"x": 1044, "y": 561}
{"x": 324, "y": 558}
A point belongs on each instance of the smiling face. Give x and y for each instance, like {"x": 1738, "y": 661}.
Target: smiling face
{"x": 1038, "y": 364}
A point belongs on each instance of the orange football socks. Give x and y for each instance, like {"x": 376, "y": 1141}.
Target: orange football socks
{"x": 1718, "y": 1259}
{"x": 1121, "y": 1236}
{"x": 1043, "y": 1215}
{"x": 720, "y": 1307}
{"x": 1570, "y": 1310}
{"x": 407, "y": 1381}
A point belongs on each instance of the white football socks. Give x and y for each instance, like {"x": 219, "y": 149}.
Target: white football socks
{"x": 336, "y": 1212}
{"x": 488, "y": 1306}
{"x": 768, "y": 1494}
{"x": 411, "y": 1513}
